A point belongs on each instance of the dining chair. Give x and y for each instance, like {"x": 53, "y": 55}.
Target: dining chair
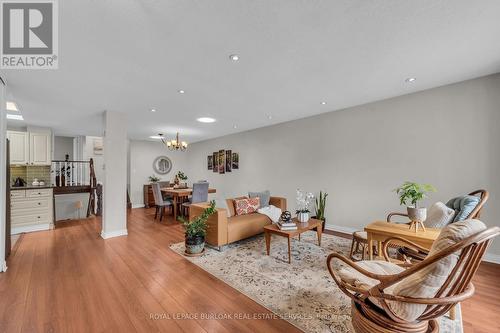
{"x": 160, "y": 202}
{"x": 200, "y": 194}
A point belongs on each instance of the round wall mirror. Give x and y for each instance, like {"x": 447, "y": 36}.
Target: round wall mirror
{"x": 162, "y": 165}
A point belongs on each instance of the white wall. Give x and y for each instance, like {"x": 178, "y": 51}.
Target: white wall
{"x": 142, "y": 156}
{"x": 88, "y": 153}
{"x": 447, "y": 136}
{"x": 3, "y": 180}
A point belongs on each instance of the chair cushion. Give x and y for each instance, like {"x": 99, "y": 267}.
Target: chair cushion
{"x": 439, "y": 216}
{"x": 246, "y": 206}
{"x": 427, "y": 282}
{"x": 361, "y": 234}
{"x": 353, "y": 277}
{"x": 463, "y": 206}
{"x": 264, "y": 197}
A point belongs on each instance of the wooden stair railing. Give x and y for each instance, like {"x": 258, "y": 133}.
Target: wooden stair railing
{"x": 71, "y": 177}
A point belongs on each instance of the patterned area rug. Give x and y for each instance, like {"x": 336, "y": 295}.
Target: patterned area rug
{"x": 303, "y": 292}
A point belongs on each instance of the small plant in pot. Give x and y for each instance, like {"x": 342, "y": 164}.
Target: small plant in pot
{"x": 196, "y": 230}
{"x": 180, "y": 176}
{"x": 154, "y": 179}
{"x": 320, "y": 205}
{"x": 410, "y": 194}
{"x": 303, "y": 202}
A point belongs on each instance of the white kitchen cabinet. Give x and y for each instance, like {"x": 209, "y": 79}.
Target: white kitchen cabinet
{"x": 28, "y": 148}
{"x": 31, "y": 210}
{"x": 19, "y": 147}
{"x": 40, "y": 148}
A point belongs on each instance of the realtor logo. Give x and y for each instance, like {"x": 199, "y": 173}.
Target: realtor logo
{"x": 29, "y": 34}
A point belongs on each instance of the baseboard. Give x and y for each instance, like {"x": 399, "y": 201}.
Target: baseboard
{"x": 112, "y": 234}
{"x": 492, "y": 258}
{"x": 30, "y": 228}
{"x": 137, "y": 206}
{"x": 4, "y": 266}
{"x": 340, "y": 228}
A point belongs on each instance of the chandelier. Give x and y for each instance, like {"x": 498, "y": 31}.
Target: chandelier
{"x": 174, "y": 144}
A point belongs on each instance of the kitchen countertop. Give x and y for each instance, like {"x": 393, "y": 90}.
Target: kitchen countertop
{"x": 30, "y": 187}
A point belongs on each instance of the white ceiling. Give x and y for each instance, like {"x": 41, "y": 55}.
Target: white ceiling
{"x": 132, "y": 55}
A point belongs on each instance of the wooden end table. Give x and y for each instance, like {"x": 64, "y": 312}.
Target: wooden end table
{"x": 312, "y": 224}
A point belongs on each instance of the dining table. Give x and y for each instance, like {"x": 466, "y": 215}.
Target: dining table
{"x": 180, "y": 195}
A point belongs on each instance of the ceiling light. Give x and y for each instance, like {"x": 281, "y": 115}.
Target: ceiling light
{"x": 206, "y": 120}
{"x": 181, "y": 91}
{"x": 174, "y": 144}
{"x": 269, "y": 117}
{"x": 235, "y": 126}
{"x": 234, "y": 57}
{"x": 410, "y": 80}
{"x": 11, "y": 106}
{"x": 323, "y": 103}
{"x": 157, "y": 137}
{"x": 153, "y": 110}
{"x": 14, "y": 116}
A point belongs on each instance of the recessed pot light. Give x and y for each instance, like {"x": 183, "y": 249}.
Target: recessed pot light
{"x": 234, "y": 57}
{"x": 323, "y": 103}
{"x": 153, "y": 110}
{"x": 235, "y": 126}
{"x": 206, "y": 120}
{"x": 269, "y": 117}
{"x": 181, "y": 91}
{"x": 14, "y": 116}
{"x": 410, "y": 80}
{"x": 11, "y": 106}
{"x": 155, "y": 137}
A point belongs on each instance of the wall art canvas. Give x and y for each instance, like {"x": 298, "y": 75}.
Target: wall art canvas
{"x": 228, "y": 160}
{"x": 222, "y": 161}
{"x": 215, "y": 161}
{"x": 210, "y": 164}
{"x": 236, "y": 161}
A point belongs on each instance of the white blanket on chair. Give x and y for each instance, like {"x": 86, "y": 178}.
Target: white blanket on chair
{"x": 271, "y": 211}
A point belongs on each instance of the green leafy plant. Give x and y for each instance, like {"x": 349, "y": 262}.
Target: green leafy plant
{"x": 321, "y": 205}
{"x": 412, "y": 193}
{"x": 181, "y": 176}
{"x": 154, "y": 179}
{"x": 198, "y": 226}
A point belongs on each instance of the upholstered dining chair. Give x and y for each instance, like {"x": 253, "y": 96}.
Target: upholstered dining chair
{"x": 200, "y": 194}
{"x": 160, "y": 202}
{"x": 387, "y": 297}
{"x": 359, "y": 244}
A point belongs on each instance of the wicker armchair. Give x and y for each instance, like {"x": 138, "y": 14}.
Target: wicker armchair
{"x": 389, "y": 298}
{"x": 360, "y": 239}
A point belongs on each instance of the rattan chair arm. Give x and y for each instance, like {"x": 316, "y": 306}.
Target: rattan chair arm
{"x": 402, "y": 240}
{"x": 355, "y": 266}
{"x": 389, "y": 217}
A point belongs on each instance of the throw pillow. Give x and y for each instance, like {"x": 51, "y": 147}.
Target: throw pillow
{"x": 439, "y": 216}
{"x": 264, "y": 197}
{"x": 246, "y": 206}
{"x": 463, "y": 206}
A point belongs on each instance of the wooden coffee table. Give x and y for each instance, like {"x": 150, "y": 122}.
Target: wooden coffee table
{"x": 312, "y": 224}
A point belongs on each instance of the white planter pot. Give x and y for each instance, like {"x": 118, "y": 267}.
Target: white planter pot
{"x": 303, "y": 217}
{"x": 417, "y": 214}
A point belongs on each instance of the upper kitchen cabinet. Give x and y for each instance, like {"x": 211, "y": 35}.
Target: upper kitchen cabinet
{"x": 29, "y": 148}
{"x": 19, "y": 147}
{"x": 40, "y": 148}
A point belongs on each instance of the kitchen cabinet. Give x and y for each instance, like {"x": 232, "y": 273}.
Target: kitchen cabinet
{"x": 31, "y": 210}
{"x": 19, "y": 147}
{"x": 30, "y": 148}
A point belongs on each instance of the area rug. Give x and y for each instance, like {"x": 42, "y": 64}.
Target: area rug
{"x": 303, "y": 292}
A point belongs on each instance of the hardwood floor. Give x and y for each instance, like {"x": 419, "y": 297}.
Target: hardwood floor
{"x": 71, "y": 280}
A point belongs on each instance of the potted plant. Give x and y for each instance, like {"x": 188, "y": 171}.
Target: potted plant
{"x": 410, "y": 194}
{"x": 154, "y": 179}
{"x": 303, "y": 202}
{"x": 181, "y": 176}
{"x": 196, "y": 230}
{"x": 320, "y": 205}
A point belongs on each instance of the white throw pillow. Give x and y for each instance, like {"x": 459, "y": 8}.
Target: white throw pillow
{"x": 439, "y": 216}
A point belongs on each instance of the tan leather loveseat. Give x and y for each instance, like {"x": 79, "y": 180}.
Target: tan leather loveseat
{"x": 223, "y": 230}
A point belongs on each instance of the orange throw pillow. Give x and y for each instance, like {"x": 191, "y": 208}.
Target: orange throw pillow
{"x": 246, "y": 205}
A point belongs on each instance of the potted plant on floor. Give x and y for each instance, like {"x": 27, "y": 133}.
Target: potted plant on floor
{"x": 410, "y": 194}
{"x": 196, "y": 230}
{"x": 320, "y": 205}
{"x": 303, "y": 202}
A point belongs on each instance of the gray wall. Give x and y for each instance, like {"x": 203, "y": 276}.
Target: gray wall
{"x": 63, "y": 145}
{"x": 142, "y": 156}
{"x": 447, "y": 136}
